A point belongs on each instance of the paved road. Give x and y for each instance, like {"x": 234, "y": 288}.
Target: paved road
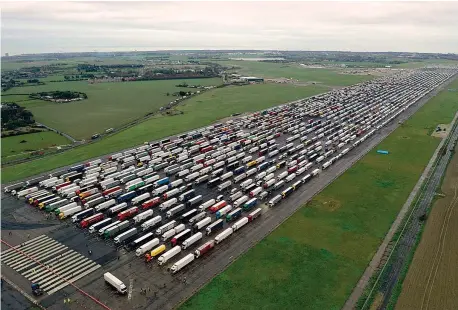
{"x": 376, "y": 260}
{"x": 203, "y": 270}
{"x": 59, "y": 132}
{"x": 406, "y": 244}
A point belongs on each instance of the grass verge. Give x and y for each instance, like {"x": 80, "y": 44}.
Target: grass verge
{"x": 314, "y": 259}
{"x": 16, "y": 146}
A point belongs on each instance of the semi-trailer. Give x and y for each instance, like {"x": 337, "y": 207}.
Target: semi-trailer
{"x": 191, "y": 240}
{"x": 250, "y": 204}
{"x": 223, "y": 235}
{"x": 127, "y": 213}
{"x": 64, "y": 214}
{"x": 168, "y": 204}
{"x": 151, "y": 223}
{"x": 182, "y": 263}
{"x": 141, "y": 198}
{"x": 143, "y": 216}
{"x": 155, "y": 252}
{"x": 55, "y": 205}
{"x": 115, "y": 282}
{"x": 151, "y": 203}
{"x": 240, "y": 223}
{"x": 202, "y": 223}
{"x": 183, "y": 235}
{"x": 162, "y": 229}
{"x": 164, "y": 258}
{"x": 223, "y": 211}
{"x": 140, "y": 240}
{"x": 91, "y": 220}
{"x": 146, "y": 247}
{"x": 105, "y": 205}
{"x": 172, "y": 232}
{"x": 102, "y": 229}
{"x": 214, "y": 227}
{"x": 233, "y": 215}
{"x": 112, "y": 231}
{"x": 125, "y": 235}
{"x": 82, "y": 215}
{"x": 206, "y": 204}
{"x": 186, "y": 216}
{"x": 253, "y": 215}
{"x": 175, "y": 210}
{"x": 117, "y": 208}
{"x": 57, "y": 211}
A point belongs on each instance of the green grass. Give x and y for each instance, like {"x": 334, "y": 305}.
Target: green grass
{"x": 198, "y": 111}
{"x": 314, "y": 259}
{"x": 108, "y": 105}
{"x": 13, "y": 149}
{"x": 330, "y": 77}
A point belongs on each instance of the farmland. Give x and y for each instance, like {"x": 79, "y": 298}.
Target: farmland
{"x": 295, "y": 71}
{"x": 198, "y": 111}
{"x": 326, "y": 245}
{"x": 108, "y": 105}
{"x": 16, "y": 147}
{"x": 430, "y": 279}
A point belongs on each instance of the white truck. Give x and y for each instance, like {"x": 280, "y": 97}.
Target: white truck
{"x": 182, "y": 263}
{"x": 146, "y": 247}
{"x": 115, "y": 282}
{"x": 168, "y": 255}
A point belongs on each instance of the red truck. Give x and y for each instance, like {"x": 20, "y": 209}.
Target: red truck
{"x": 127, "y": 213}
{"x": 91, "y": 220}
{"x": 218, "y": 206}
{"x": 151, "y": 203}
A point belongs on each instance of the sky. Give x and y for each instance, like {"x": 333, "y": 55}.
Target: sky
{"x": 44, "y": 27}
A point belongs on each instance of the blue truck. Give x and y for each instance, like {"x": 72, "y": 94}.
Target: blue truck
{"x": 250, "y": 204}
{"x": 126, "y": 197}
{"x": 161, "y": 182}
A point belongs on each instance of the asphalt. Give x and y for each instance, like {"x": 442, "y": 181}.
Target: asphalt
{"x": 169, "y": 290}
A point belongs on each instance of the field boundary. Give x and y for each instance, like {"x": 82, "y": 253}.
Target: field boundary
{"x": 401, "y": 118}
{"x": 410, "y": 205}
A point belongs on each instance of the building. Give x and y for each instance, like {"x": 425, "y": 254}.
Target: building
{"x": 251, "y": 79}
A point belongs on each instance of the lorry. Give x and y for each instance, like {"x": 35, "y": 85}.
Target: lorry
{"x": 240, "y": 223}
{"x": 202, "y": 223}
{"x": 241, "y": 201}
{"x": 162, "y": 229}
{"x": 191, "y": 240}
{"x": 113, "y": 230}
{"x": 155, "y": 252}
{"x": 187, "y": 195}
{"x": 125, "y": 235}
{"x": 235, "y": 214}
{"x": 223, "y": 235}
{"x": 180, "y": 237}
{"x": 151, "y": 222}
{"x": 95, "y": 227}
{"x": 115, "y": 282}
{"x": 164, "y": 258}
{"x": 223, "y": 211}
{"x": 217, "y": 225}
{"x": 204, "y": 248}
{"x": 250, "y": 204}
{"x": 168, "y": 204}
{"x": 193, "y": 201}
{"x": 207, "y": 204}
{"x": 82, "y": 215}
{"x": 175, "y": 210}
{"x": 253, "y": 215}
{"x": 146, "y": 247}
{"x": 127, "y": 213}
{"x": 68, "y": 212}
{"x": 105, "y": 205}
{"x": 104, "y": 227}
{"x": 117, "y": 208}
{"x": 172, "y": 232}
{"x": 255, "y": 191}
{"x": 143, "y": 216}
{"x": 182, "y": 263}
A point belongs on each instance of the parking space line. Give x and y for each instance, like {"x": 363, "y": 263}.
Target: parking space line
{"x": 8, "y": 251}
{"x": 58, "y": 280}
{"x": 74, "y": 279}
{"x": 56, "y": 251}
{"x": 37, "y": 254}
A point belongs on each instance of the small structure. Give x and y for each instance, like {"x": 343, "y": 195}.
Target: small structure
{"x": 383, "y": 152}
{"x": 251, "y": 79}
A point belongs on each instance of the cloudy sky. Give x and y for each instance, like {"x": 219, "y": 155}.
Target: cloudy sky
{"x": 33, "y": 27}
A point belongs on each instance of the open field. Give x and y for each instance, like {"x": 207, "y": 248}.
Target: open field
{"x": 108, "y": 104}
{"x": 314, "y": 259}
{"x": 329, "y": 77}
{"x": 13, "y": 148}
{"x": 431, "y": 280}
{"x": 198, "y": 111}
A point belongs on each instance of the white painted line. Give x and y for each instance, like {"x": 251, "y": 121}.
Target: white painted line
{"x": 51, "y": 263}
{"x": 5, "y": 253}
{"x": 74, "y": 279}
{"x": 36, "y": 256}
{"x": 44, "y": 256}
{"x": 63, "y": 276}
{"x": 131, "y": 287}
{"x": 27, "y": 250}
{"x": 62, "y": 270}
{"x": 44, "y": 270}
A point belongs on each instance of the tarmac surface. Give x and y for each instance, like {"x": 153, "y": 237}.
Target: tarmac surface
{"x": 164, "y": 290}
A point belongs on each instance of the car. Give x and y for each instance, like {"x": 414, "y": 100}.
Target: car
{"x": 219, "y": 198}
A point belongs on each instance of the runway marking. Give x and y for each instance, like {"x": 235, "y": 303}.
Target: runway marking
{"x": 131, "y": 287}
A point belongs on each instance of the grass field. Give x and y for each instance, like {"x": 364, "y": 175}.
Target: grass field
{"x": 198, "y": 111}
{"x": 314, "y": 259}
{"x": 430, "y": 281}
{"x": 330, "y": 77}
{"x": 12, "y": 148}
{"x": 108, "y": 104}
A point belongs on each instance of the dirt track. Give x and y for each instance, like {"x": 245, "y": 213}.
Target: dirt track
{"x": 432, "y": 280}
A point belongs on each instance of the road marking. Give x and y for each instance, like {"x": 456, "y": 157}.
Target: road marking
{"x": 51, "y": 265}
{"x": 131, "y": 287}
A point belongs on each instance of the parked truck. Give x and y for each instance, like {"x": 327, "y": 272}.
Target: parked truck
{"x": 146, "y": 247}
{"x": 223, "y": 235}
{"x": 182, "y": 263}
{"x": 164, "y": 258}
{"x": 115, "y": 282}
{"x": 125, "y": 235}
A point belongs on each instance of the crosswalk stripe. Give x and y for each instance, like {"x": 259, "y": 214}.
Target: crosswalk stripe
{"x": 48, "y": 262}
{"x": 27, "y": 250}
{"x": 10, "y": 250}
{"x": 45, "y": 256}
{"x": 62, "y": 276}
{"x": 38, "y": 269}
{"x": 61, "y": 270}
{"x": 74, "y": 279}
{"x": 37, "y": 254}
